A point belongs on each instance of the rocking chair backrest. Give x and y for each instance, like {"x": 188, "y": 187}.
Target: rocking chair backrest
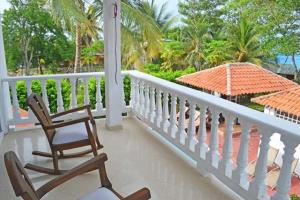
{"x": 37, "y": 105}
{"x": 19, "y": 178}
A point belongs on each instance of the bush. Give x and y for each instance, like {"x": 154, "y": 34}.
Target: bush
{"x": 295, "y": 197}
{"x": 172, "y": 75}
{"x": 66, "y": 92}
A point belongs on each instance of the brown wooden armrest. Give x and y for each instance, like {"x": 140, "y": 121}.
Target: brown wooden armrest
{"x": 142, "y": 194}
{"x": 67, "y": 123}
{"x": 86, "y": 107}
{"x": 92, "y": 164}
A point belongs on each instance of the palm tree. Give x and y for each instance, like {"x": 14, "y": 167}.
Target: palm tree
{"x": 140, "y": 34}
{"x": 162, "y": 18}
{"x": 70, "y": 14}
{"x": 244, "y": 38}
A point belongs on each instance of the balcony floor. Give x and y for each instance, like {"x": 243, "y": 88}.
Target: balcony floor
{"x": 135, "y": 159}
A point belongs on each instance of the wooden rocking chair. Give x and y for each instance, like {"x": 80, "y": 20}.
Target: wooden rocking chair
{"x": 24, "y": 188}
{"x": 64, "y": 135}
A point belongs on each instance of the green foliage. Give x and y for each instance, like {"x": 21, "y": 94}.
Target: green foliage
{"x": 173, "y": 54}
{"x": 217, "y": 52}
{"x": 172, "y": 75}
{"x": 295, "y": 197}
{"x": 30, "y": 35}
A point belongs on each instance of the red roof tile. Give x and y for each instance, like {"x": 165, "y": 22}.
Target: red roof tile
{"x": 237, "y": 79}
{"x": 286, "y": 101}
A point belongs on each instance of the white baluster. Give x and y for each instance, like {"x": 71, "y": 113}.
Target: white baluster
{"x": 152, "y": 113}
{"x": 147, "y": 102}
{"x": 181, "y": 122}
{"x": 73, "y": 93}
{"x": 201, "y": 147}
{"x": 29, "y": 91}
{"x": 86, "y": 91}
{"x": 132, "y": 93}
{"x": 190, "y": 142}
{"x": 60, "y": 103}
{"x": 44, "y": 93}
{"x": 226, "y": 163}
{"x": 240, "y": 173}
{"x": 158, "y": 108}
{"x": 123, "y": 94}
{"x": 165, "y": 120}
{"x": 99, "y": 105}
{"x": 173, "y": 128}
{"x": 284, "y": 180}
{"x": 258, "y": 187}
{"x": 137, "y": 96}
{"x": 213, "y": 153}
{"x": 142, "y": 99}
{"x": 16, "y": 107}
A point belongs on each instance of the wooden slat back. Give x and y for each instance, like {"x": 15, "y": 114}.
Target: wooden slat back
{"x": 19, "y": 178}
{"x": 37, "y": 105}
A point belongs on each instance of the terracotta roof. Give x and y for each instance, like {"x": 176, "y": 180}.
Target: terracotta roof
{"x": 286, "y": 101}
{"x": 237, "y": 79}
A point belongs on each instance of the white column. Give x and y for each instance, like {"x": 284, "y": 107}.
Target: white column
{"x": 112, "y": 63}
{"x": 5, "y": 107}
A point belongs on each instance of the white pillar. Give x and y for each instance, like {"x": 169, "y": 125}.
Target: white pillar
{"x": 5, "y": 112}
{"x": 112, "y": 63}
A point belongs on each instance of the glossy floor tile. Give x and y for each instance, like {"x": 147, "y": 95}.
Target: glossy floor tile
{"x": 135, "y": 160}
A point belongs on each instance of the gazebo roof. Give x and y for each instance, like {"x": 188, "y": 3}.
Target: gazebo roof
{"x": 287, "y": 101}
{"x": 237, "y": 79}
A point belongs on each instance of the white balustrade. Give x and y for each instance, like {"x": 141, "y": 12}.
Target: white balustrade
{"x": 207, "y": 157}
{"x": 74, "y": 83}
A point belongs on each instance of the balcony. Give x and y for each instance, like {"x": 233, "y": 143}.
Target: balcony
{"x": 156, "y": 121}
{"x": 135, "y": 159}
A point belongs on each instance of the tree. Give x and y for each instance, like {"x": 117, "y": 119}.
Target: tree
{"x": 173, "y": 54}
{"x": 244, "y": 39}
{"x": 163, "y": 19}
{"x": 31, "y": 35}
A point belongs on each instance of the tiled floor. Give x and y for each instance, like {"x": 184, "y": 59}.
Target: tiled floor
{"x": 136, "y": 159}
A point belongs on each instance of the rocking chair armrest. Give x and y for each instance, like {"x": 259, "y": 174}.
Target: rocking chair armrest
{"x": 86, "y": 107}
{"x": 98, "y": 162}
{"x": 67, "y": 123}
{"x": 142, "y": 194}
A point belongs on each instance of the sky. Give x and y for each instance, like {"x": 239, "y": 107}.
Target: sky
{"x": 172, "y": 5}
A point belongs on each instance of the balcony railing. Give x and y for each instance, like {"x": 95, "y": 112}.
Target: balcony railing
{"x": 162, "y": 106}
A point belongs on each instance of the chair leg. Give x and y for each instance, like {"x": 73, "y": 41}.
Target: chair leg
{"x": 55, "y": 161}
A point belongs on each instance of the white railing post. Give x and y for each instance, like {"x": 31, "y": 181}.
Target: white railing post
{"x": 60, "y": 103}
{"x": 165, "y": 120}
{"x": 190, "y": 140}
{"x": 44, "y": 93}
{"x": 123, "y": 93}
{"x": 5, "y": 105}
{"x": 181, "y": 129}
{"x": 29, "y": 91}
{"x": 73, "y": 92}
{"x": 201, "y": 147}
{"x": 158, "y": 108}
{"x": 173, "y": 128}
{"x": 213, "y": 153}
{"x": 147, "y": 101}
{"x": 258, "y": 186}
{"x": 240, "y": 173}
{"x": 142, "y": 99}
{"x": 284, "y": 180}
{"x": 132, "y": 93}
{"x": 137, "y": 96}
{"x": 152, "y": 112}
{"x": 226, "y": 163}
{"x": 16, "y": 106}
{"x": 99, "y": 105}
{"x": 112, "y": 62}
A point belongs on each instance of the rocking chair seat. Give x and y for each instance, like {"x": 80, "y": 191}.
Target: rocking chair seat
{"x": 100, "y": 193}
{"x": 72, "y": 133}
